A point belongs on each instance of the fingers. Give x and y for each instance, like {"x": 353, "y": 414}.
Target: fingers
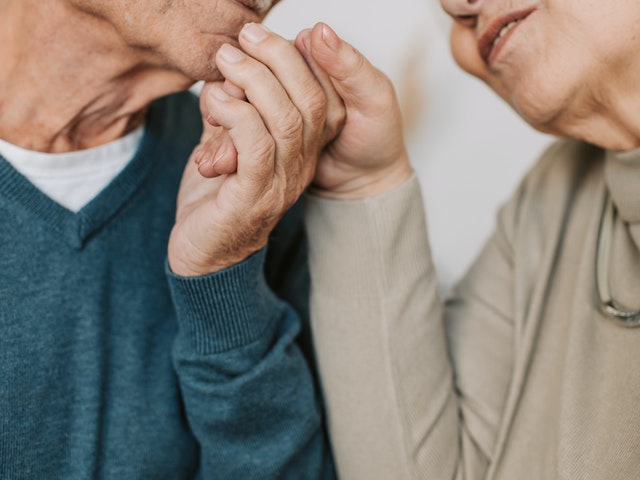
{"x": 279, "y": 83}
{"x": 368, "y": 156}
{"x": 289, "y": 100}
{"x": 357, "y": 81}
{"x": 265, "y": 93}
{"x": 247, "y": 133}
{"x": 290, "y": 70}
{"x": 282, "y": 99}
{"x": 217, "y": 155}
{"x": 335, "y": 109}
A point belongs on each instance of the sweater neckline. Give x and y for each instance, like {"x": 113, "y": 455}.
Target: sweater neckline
{"x": 622, "y": 175}
{"x": 77, "y": 228}
{"x": 73, "y": 179}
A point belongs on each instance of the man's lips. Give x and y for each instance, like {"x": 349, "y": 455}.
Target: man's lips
{"x": 498, "y": 29}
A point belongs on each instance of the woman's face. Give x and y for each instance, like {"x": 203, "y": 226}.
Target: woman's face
{"x": 551, "y": 60}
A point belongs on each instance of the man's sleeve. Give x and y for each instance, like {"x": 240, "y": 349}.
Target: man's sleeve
{"x": 248, "y": 391}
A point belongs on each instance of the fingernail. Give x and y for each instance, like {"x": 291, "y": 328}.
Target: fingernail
{"x": 219, "y": 155}
{"x": 254, "y": 32}
{"x": 330, "y": 38}
{"x": 306, "y": 39}
{"x": 231, "y": 54}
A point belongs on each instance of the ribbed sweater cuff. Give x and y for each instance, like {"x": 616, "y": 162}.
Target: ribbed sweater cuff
{"x": 227, "y": 309}
{"x": 357, "y": 247}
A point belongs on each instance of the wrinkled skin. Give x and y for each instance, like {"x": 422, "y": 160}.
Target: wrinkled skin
{"x": 568, "y": 68}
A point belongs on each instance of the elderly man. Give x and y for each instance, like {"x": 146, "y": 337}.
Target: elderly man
{"x": 118, "y": 360}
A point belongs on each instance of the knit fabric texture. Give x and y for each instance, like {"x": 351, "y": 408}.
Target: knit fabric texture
{"x": 113, "y": 367}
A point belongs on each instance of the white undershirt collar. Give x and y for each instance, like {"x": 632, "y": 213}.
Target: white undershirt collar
{"x": 73, "y": 179}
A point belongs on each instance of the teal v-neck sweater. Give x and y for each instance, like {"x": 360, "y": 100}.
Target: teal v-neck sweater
{"x": 112, "y": 367}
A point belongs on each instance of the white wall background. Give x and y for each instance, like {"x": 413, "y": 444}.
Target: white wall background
{"x": 468, "y": 148}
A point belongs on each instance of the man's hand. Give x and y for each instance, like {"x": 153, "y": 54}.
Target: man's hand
{"x": 368, "y": 157}
{"x": 265, "y": 126}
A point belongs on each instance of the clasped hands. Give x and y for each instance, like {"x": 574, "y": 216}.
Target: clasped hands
{"x": 286, "y": 116}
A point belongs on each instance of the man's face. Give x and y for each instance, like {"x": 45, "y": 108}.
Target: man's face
{"x": 180, "y": 35}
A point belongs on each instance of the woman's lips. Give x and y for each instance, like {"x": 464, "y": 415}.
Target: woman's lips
{"x": 498, "y": 32}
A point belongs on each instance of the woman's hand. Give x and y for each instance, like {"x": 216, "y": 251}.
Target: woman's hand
{"x": 266, "y": 125}
{"x": 368, "y": 157}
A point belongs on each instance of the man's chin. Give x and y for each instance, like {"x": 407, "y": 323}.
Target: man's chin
{"x": 206, "y": 74}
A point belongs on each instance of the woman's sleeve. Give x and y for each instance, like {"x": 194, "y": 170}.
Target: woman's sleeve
{"x": 414, "y": 388}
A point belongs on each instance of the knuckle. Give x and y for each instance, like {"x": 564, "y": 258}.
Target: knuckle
{"x": 264, "y": 146}
{"x": 289, "y": 125}
{"x": 268, "y": 208}
{"x": 386, "y": 87}
{"x": 315, "y": 103}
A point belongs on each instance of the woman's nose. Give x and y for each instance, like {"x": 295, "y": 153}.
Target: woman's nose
{"x": 462, "y": 9}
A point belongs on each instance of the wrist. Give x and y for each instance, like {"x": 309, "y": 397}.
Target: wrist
{"x": 369, "y": 183}
{"x": 197, "y": 266}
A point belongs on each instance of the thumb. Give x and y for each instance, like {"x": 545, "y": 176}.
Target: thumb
{"x": 357, "y": 81}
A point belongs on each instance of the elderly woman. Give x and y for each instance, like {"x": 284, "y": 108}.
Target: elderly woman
{"x": 530, "y": 370}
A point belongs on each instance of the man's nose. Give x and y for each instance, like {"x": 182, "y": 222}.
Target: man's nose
{"x": 462, "y": 9}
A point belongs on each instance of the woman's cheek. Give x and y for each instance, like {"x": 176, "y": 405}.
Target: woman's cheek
{"x": 464, "y": 48}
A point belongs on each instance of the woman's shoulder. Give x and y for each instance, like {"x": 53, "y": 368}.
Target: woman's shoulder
{"x": 564, "y": 167}
{"x": 564, "y": 170}
{"x": 566, "y": 182}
